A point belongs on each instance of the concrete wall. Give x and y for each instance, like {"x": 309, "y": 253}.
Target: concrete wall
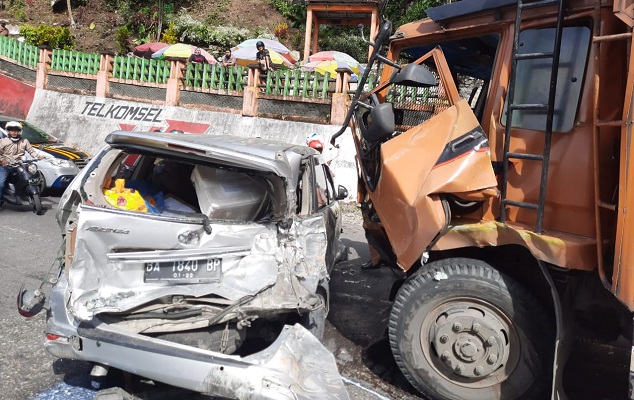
{"x": 86, "y": 120}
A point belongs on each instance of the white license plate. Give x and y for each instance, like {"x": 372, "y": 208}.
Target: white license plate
{"x": 190, "y": 271}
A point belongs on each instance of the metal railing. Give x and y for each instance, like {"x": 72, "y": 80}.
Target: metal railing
{"x": 23, "y": 53}
{"x": 75, "y": 61}
{"x": 141, "y": 69}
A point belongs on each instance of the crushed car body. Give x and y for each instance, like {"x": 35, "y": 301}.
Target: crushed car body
{"x": 202, "y": 262}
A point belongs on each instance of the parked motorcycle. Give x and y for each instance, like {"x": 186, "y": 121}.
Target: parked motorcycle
{"x": 23, "y": 185}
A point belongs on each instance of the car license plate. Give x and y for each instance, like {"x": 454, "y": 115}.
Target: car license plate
{"x": 191, "y": 271}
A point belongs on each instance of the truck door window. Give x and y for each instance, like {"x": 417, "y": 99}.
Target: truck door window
{"x": 471, "y": 63}
{"x": 532, "y": 78}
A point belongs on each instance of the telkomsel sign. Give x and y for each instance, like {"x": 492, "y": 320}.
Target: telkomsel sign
{"x": 146, "y": 114}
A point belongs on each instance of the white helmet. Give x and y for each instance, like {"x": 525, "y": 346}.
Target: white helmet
{"x": 13, "y": 124}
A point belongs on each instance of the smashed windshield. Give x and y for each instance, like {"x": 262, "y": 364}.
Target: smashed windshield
{"x": 37, "y": 136}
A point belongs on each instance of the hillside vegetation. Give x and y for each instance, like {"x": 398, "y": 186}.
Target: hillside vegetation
{"x": 119, "y": 25}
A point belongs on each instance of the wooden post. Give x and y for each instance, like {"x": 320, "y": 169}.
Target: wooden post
{"x": 374, "y": 25}
{"x": 173, "y": 95}
{"x": 307, "y": 36}
{"x": 43, "y": 65}
{"x": 105, "y": 72}
{"x": 340, "y": 99}
{"x": 316, "y": 37}
{"x": 251, "y": 92}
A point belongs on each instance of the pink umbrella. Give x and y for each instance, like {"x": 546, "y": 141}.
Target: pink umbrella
{"x": 146, "y": 50}
{"x": 331, "y": 55}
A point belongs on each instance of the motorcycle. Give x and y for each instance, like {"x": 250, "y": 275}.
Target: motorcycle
{"x": 23, "y": 185}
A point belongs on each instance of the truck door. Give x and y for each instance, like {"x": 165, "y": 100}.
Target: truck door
{"x": 437, "y": 148}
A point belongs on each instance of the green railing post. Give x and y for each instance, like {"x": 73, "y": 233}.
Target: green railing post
{"x": 324, "y": 89}
{"x": 314, "y": 86}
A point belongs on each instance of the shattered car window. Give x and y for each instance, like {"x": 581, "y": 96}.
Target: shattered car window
{"x": 164, "y": 186}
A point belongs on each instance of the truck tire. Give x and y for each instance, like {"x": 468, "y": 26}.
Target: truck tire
{"x": 459, "y": 329}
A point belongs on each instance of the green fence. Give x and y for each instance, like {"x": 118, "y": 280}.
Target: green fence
{"x": 298, "y": 83}
{"x": 25, "y": 54}
{"x": 141, "y": 69}
{"x": 205, "y": 76}
{"x": 75, "y": 61}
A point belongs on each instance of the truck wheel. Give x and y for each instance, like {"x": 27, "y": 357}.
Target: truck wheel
{"x": 459, "y": 329}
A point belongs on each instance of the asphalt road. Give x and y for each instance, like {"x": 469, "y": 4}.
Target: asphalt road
{"x": 359, "y": 305}
{"x": 28, "y": 247}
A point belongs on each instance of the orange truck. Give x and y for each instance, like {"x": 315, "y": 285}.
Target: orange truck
{"x": 495, "y": 168}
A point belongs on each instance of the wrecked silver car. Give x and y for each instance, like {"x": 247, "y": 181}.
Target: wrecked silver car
{"x": 202, "y": 262}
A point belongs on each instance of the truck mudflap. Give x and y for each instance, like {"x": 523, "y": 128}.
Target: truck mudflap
{"x": 295, "y": 366}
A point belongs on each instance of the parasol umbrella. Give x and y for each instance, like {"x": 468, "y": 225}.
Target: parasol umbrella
{"x": 246, "y": 56}
{"x": 331, "y": 67}
{"x": 330, "y": 61}
{"x": 182, "y": 50}
{"x": 269, "y": 44}
{"x": 147, "y": 49}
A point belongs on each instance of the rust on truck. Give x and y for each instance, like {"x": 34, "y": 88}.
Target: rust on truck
{"x": 494, "y": 160}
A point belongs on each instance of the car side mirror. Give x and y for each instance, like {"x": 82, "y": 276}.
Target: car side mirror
{"x": 342, "y": 192}
{"x": 414, "y": 75}
{"x": 378, "y": 124}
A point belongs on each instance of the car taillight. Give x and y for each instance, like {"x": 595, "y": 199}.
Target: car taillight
{"x": 51, "y": 337}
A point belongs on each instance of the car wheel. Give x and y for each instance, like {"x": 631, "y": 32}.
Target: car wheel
{"x": 460, "y": 329}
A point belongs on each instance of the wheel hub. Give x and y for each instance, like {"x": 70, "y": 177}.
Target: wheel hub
{"x": 471, "y": 346}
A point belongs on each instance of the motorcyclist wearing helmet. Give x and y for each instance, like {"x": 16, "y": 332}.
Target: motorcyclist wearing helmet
{"x": 263, "y": 57}
{"x": 12, "y": 148}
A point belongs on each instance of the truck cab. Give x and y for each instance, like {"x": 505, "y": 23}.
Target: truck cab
{"x": 493, "y": 160}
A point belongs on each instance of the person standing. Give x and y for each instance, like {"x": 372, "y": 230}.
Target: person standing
{"x": 12, "y": 149}
{"x": 228, "y": 60}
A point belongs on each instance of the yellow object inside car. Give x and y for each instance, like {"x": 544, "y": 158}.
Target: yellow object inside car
{"x": 121, "y": 197}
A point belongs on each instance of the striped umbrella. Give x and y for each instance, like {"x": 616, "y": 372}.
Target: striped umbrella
{"x": 182, "y": 50}
{"x": 246, "y": 56}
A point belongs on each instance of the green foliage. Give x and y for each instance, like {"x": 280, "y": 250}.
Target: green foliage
{"x": 169, "y": 35}
{"x": 344, "y": 39}
{"x": 294, "y": 11}
{"x": 221, "y": 7}
{"x": 198, "y": 33}
{"x": 122, "y": 37}
{"x": 404, "y": 11}
{"x": 57, "y": 37}
{"x": 17, "y": 9}
{"x": 281, "y": 30}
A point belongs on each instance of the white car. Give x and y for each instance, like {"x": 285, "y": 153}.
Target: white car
{"x": 200, "y": 261}
{"x": 57, "y": 173}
